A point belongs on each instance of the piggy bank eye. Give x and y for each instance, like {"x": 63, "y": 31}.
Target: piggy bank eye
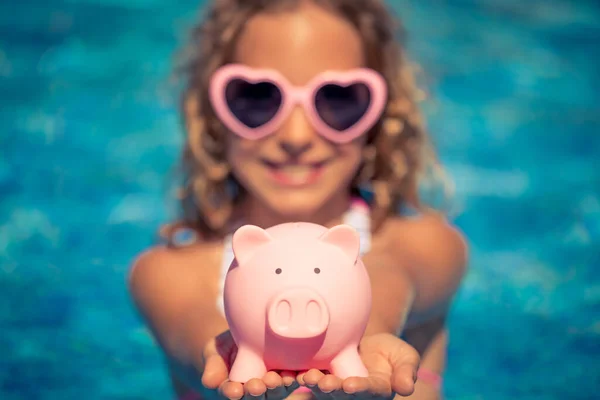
{"x": 317, "y": 270}
{"x": 278, "y": 271}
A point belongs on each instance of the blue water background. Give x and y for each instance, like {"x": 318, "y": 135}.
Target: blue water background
{"x": 89, "y": 133}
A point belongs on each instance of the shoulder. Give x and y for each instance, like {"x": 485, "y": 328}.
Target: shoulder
{"x": 431, "y": 238}
{"x": 163, "y": 269}
{"x": 432, "y": 251}
{"x": 165, "y": 260}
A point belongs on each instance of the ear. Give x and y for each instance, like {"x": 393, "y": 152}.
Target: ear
{"x": 345, "y": 238}
{"x": 246, "y": 240}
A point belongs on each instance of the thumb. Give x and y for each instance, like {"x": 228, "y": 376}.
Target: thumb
{"x": 405, "y": 363}
{"x": 215, "y": 371}
{"x": 216, "y": 355}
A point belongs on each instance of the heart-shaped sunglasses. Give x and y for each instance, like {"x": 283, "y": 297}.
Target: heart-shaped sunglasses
{"x": 341, "y": 106}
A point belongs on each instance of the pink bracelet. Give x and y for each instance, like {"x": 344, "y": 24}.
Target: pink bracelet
{"x": 430, "y": 377}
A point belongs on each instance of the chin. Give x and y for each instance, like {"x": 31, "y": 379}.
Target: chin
{"x": 296, "y": 206}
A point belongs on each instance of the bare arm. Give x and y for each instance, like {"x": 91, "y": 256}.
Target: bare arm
{"x": 414, "y": 273}
{"x": 177, "y": 304}
{"x": 431, "y": 341}
{"x": 414, "y": 278}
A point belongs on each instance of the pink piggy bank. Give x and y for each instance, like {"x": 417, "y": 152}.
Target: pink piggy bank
{"x": 297, "y": 296}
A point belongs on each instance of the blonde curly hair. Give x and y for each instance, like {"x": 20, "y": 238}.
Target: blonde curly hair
{"x": 398, "y": 149}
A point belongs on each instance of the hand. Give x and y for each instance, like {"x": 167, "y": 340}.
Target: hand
{"x": 219, "y": 355}
{"x": 392, "y": 364}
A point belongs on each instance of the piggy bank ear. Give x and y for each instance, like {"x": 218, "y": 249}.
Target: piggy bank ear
{"x": 345, "y": 238}
{"x": 246, "y": 240}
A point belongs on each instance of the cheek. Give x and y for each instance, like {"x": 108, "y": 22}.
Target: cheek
{"x": 351, "y": 157}
{"x": 240, "y": 152}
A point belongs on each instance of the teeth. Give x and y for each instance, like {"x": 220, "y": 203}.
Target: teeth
{"x": 296, "y": 174}
{"x": 295, "y": 170}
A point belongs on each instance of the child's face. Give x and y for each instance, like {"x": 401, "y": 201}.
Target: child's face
{"x": 296, "y": 171}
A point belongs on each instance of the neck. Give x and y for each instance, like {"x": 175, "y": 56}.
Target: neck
{"x": 329, "y": 215}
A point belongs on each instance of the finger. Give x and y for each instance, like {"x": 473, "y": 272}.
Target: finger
{"x": 275, "y": 388}
{"x": 404, "y": 379}
{"x": 330, "y": 388}
{"x": 254, "y": 389}
{"x": 380, "y": 386}
{"x": 312, "y": 377}
{"x": 378, "y": 383}
{"x": 355, "y": 385}
{"x": 379, "y": 366}
{"x": 288, "y": 377}
{"x": 405, "y": 362}
{"x": 404, "y": 354}
{"x": 330, "y": 383}
{"x": 289, "y": 381}
{"x": 300, "y": 377}
{"x": 231, "y": 390}
{"x": 311, "y": 380}
{"x": 272, "y": 379}
{"x": 215, "y": 371}
{"x": 324, "y": 386}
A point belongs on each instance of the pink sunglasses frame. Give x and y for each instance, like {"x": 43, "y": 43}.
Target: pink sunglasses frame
{"x": 293, "y": 95}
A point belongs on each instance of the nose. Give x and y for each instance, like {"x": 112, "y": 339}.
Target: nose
{"x": 298, "y": 313}
{"x": 297, "y": 134}
{"x": 294, "y": 150}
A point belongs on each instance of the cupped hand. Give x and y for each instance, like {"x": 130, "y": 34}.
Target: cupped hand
{"x": 219, "y": 355}
{"x": 392, "y": 364}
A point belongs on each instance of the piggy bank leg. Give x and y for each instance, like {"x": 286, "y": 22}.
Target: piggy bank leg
{"x": 348, "y": 363}
{"x": 247, "y": 365}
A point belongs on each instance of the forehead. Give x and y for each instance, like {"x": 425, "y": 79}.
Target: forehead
{"x": 300, "y": 43}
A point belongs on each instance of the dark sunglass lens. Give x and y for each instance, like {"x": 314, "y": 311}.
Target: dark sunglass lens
{"x": 341, "y": 107}
{"x": 253, "y": 104}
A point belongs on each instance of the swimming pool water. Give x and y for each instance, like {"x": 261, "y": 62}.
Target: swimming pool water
{"x": 89, "y": 133}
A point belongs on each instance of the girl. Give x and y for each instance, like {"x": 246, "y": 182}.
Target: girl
{"x": 296, "y": 110}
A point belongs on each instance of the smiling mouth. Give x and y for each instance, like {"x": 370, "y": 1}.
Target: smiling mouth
{"x": 295, "y": 174}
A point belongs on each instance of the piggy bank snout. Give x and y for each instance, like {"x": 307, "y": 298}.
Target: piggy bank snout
{"x": 298, "y": 314}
